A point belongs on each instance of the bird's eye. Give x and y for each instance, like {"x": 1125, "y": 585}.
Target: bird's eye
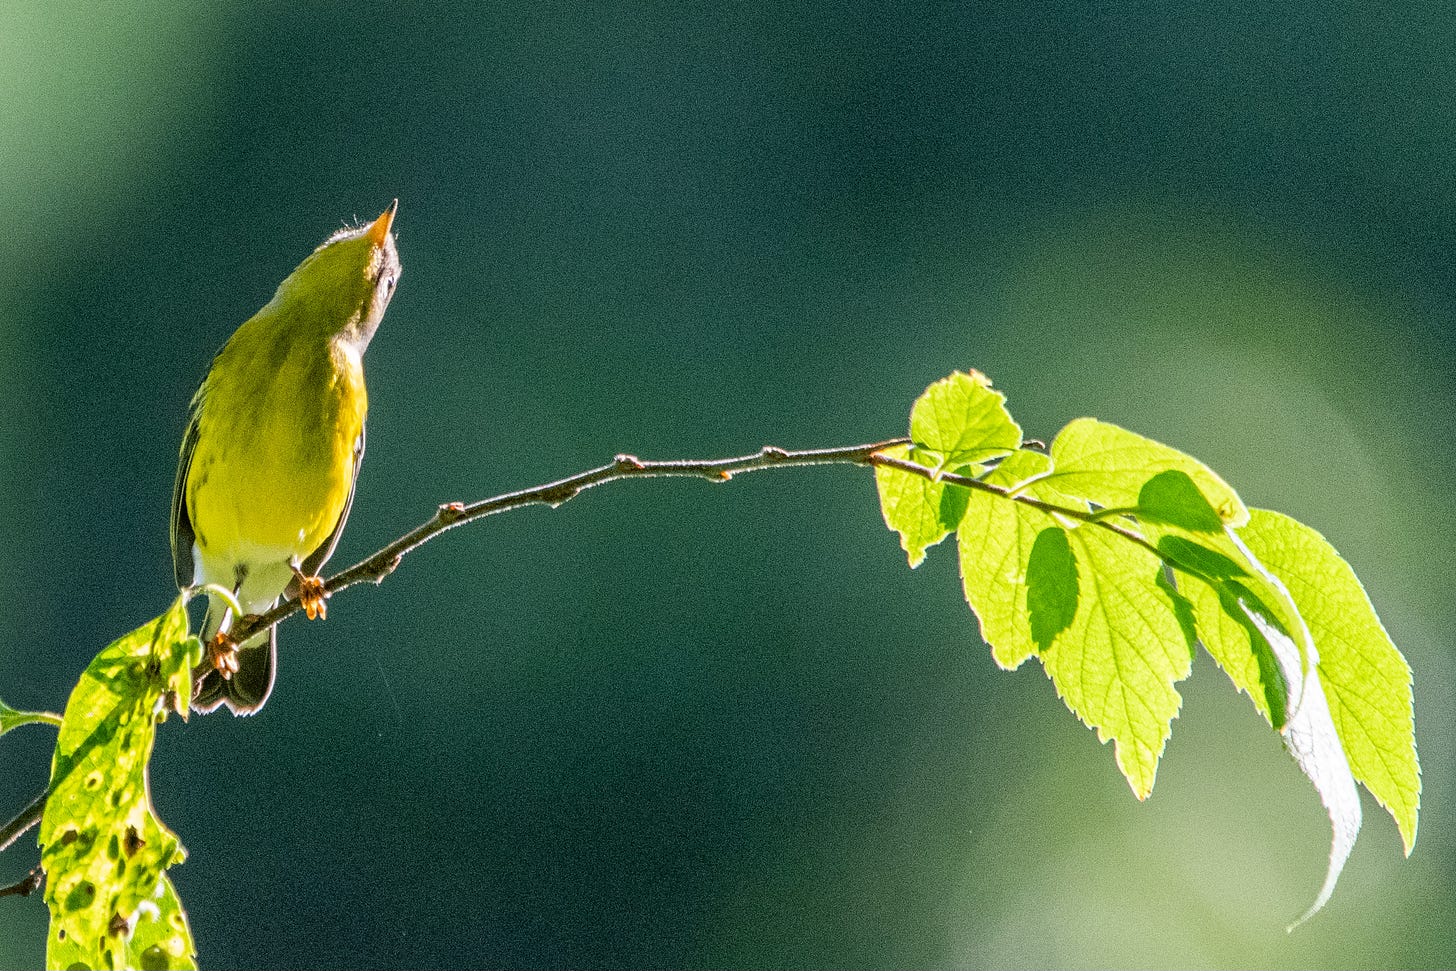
{"x": 389, "y": 282}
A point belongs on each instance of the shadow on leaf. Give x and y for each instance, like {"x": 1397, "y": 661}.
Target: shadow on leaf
{"x": 1052, "y": 587}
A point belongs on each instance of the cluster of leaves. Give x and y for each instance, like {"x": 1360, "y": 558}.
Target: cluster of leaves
{"x": 1110, "y": 557}
{"x": 104, "y": 850}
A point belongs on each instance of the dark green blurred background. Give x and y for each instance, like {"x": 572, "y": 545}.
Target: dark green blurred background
{"x": 677, "y": 724}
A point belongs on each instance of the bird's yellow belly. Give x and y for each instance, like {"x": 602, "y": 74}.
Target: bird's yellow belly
{"x": 270, "y": 483}
{"x": 274, "y": 505}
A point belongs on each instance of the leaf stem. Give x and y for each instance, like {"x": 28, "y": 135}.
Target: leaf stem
{"x": 224, "y": 594}
{"x": 12, "y": 719}
{"x": 26, "y": 885}
{"x": 1081, "y": 515}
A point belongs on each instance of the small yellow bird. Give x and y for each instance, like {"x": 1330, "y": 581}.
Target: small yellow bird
{"x": 273, "y": 445}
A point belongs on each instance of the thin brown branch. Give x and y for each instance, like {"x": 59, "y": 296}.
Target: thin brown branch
{"x": 375, "y": 567}
{"x": 23, "y": 821}
{"x": 26, "y": 885}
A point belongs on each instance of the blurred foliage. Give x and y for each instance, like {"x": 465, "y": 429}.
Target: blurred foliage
{"x": 669, "y": 725}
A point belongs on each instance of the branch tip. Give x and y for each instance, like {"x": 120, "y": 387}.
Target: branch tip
{"x": 26, "y": 885}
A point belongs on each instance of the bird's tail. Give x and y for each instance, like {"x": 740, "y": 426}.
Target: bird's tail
{"x": 245, "y": 692}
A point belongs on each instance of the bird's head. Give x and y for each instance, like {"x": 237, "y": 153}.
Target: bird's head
{"x": 344, "y": 286}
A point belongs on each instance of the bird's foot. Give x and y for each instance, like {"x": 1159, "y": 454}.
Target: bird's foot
{"x": 311, "y": 594}
{"x": 222, "y": 654}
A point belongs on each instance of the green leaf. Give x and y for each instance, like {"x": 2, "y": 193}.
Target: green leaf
{"x": 161, "y": 938}
{"x": 1367, "y": 680}
{"x": 1342, "y": 684}
{"x": 1110, "y": 559}
{"x": 11, "y": 718}
{"x": 1244, "y": 616}
{"x": 995, "y": 541}
{"x": 103, "y": 848}
{"x": 961, "y": 419}
{"x": 922, "y": 511}
{"x": 1110, "y": 466}
{"x": 1224, "y": 629}
{"x": 1310, "y": 737}
{"x": 1116, "y": 664}
{"x": 1089, "y": 603}
{"x": 1222, "y": 580}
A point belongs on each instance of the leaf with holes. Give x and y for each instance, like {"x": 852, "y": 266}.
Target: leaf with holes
{"x": 104, "y": 850}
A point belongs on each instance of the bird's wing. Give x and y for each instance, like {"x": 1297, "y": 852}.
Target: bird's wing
{"x": 320, "y": 556}
{"x": 182, "y": 533}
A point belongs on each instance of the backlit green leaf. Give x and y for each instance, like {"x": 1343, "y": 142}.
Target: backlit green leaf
{"x": 1366, "y": 679}
{"x": 1310, "y": 737}
{"x": 995, "y": 541}
{"x": 1231, "y": 639}
{"x": 1116, "y": 664}
{"x": 921, "y": 510}
{"x": 1343, "y": 688}
{"x": 104, "y": 850}
{"x": 1088, "y": 602}
{"x": 1110, "y": 466}
{"x": 1173, "y": 497}
{"x": 1052, "y": 586}
{"x": 1223, "y": 580}
{"x": 961, "y": 419}
{"x": 1111, "y": 558}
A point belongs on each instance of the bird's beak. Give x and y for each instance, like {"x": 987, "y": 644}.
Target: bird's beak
{"x": 379, "y": 231}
